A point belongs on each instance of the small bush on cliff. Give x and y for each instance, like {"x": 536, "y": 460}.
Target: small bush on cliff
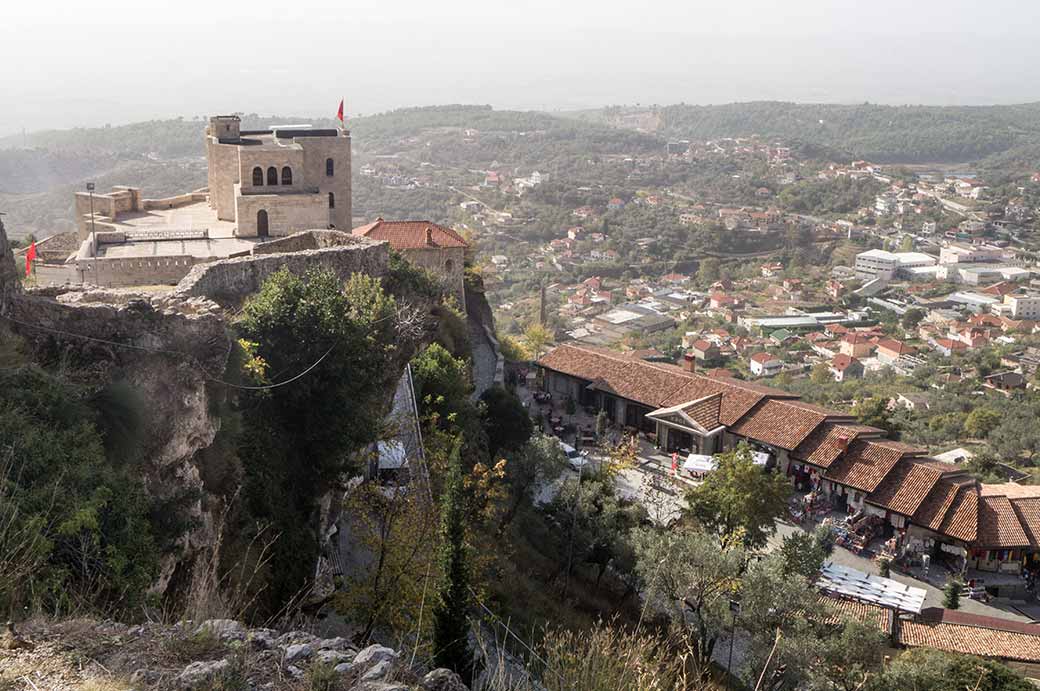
{"x": 74, "y": 529}
{"x": 406, "y": 279}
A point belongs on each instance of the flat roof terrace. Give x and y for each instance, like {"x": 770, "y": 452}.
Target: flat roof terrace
{"x": 197, "y": 216}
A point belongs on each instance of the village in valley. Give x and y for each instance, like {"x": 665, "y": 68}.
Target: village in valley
{"x": 870, "y": 333}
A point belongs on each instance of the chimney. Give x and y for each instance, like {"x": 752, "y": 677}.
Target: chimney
{"x": 429, "y": 236}
{"x": 689, "y": 362}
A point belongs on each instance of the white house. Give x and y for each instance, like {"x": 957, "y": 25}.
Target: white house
{"x": 765, "y": 365}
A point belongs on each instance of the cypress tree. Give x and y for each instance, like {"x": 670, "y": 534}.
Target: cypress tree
{"x": 451, "y": 614}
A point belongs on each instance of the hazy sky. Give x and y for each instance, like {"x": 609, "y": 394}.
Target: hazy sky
{"x": 87, "y": 63}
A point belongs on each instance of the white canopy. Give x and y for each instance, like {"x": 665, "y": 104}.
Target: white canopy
{"x": 857, "y": 585}
{"x": 699, "y": 463}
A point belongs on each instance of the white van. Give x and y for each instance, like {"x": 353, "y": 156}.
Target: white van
{"x": 575, "y": 458}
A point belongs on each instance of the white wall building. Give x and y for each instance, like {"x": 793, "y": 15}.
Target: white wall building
{"x": 884, "y": 264}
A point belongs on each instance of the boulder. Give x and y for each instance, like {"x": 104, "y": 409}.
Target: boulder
{"x": 337, "y": 643}
{"x": 334, "y": 657}
{"x": 442, "y": 680}
{"x": 378, "y": 671}
{"x": 299, "y": 652}
{"x": 343, "y": 668}
{"x": 199, "y": 674}
{"x": 374, "y": 654}
{"x": 379, "y": 686}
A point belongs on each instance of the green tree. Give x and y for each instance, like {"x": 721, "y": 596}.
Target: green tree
{"x": 739, "y": 502}
{"x": 924, "y": 669}
{"x": 690, "y": 580}
{"x": 451, "y": 613}
{"x": 537, "y": 336}
{"x": 912, "y": 318}
{"x": 540, "y": 461}
{"x": 506, "y": 421}
{"x": 708, "y": 271}
{"x": 981, "y": 421}
{"x": 874, "y": 411}
{"x": 75, "y": 526}
{"x": 442, "y": 383}
{"x": 300, "y": 438}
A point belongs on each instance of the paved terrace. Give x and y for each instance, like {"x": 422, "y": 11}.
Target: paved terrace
{"x": 189, "y": 221}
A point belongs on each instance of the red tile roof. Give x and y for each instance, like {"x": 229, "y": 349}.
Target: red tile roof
{"x": 764, "y": 358}
{"x": 408, "y": 235}
{"x": 868, "y": 462}
{"x": 655, "y": 384}
{"x": 905, "y": 489}
{"x": 895, "y": 346}
{"x": 1028, "y": 513}
{"x": 783, "y": 423}
{"x": 842, "y": 362}
{"x": 825, "y": 444}
{"x": 989, "y": 638}
{"x": 999, "y": 526}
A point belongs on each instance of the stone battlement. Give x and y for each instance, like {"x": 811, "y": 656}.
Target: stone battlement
{"x": 229, "y": 281}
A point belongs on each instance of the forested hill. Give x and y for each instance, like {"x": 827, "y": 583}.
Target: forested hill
{"x": 886, "y": 134}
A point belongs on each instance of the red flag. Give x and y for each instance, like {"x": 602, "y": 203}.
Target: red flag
{"x": 29, "y": 256}
{"x": 339, "y": 113}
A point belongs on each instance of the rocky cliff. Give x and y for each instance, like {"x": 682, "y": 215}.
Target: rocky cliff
{"x": 173, "y": 349}
{"x": 214, "y": 654}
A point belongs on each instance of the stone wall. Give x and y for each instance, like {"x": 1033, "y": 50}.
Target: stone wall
{"x": 445, "y": 263}
{"x": 306, "y": 240}
{"x": 286, "y": 213}
{"x": 229, "y": 281}
{"x": 222, "y": 176}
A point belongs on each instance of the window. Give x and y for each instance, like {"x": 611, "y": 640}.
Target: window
{"x": 258, "y": 176}
{"x": 272, "y": 176}
{"x": 330, "y": 167}
{"x": 286, "y": 175}
{"x": 449, "y": 265}
{"x": 332, "y": 200}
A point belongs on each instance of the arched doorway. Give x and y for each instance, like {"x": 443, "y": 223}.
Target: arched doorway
{"x": 261, "y": 223}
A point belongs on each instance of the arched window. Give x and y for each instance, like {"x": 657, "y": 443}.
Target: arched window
{"x": 330, "y": 168}
{"x": 272, "y": 176}
{"x": 286, "y": 175}
{"x": 332, "y": 200}
{"x": 449, "y": 265}
{"x": 258, "y": 176}
{"x": 262, "y": 229}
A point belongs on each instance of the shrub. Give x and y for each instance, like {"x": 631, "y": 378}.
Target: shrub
{"x": 952, "y": 594}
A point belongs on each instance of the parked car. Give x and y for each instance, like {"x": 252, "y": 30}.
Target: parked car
{"x": 576, "y": 459}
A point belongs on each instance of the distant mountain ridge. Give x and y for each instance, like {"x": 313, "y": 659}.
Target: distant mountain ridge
{"x": 886, "y": 134}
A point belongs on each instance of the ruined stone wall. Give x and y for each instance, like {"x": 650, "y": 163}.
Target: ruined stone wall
{"x": 306, "y": 240}
{"x": 229, "y": 281}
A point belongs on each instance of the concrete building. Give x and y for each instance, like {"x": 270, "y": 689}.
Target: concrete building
{"x": 958, "y": 253}
{"x": 883, "y": 264}
{"x": 1022, "y": 306}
